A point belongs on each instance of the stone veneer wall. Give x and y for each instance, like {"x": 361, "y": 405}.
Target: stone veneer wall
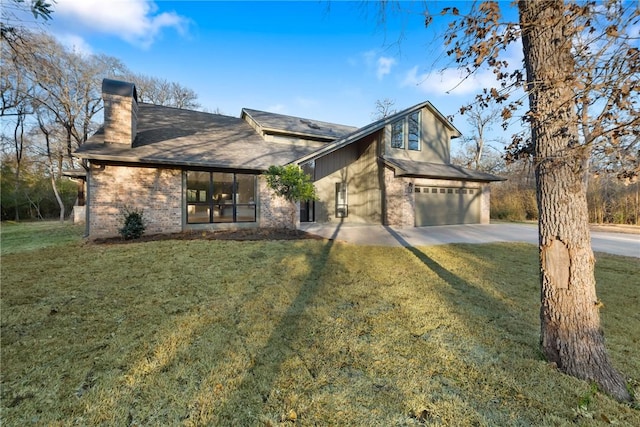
{"x": 275, "y": 212}
{"x": 157, "y": 191}
{"x": 400, "y": 204}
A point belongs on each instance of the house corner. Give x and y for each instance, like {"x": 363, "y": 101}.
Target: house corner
{"x": 276, "y": 211}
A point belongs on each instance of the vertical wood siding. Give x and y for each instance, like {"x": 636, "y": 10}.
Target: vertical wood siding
{"x": 357, "y": 166}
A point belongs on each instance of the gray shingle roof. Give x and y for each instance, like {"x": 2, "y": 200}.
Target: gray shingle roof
{"x": 438, "y": 171}
{"x": 192, "y": 138}
{"x": 178, "y": 137}
{"x": 279, "y": 123}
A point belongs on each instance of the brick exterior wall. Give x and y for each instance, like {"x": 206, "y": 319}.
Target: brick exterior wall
{"x": 120, "y": 119}
{"x": 399, "y": 202}
{"x": 275, "y": 212}
{"x": 158, "y": 192}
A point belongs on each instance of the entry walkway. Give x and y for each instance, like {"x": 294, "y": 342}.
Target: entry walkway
{"x": 379, "y": 235}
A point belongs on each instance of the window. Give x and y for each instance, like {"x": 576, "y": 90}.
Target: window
{"x": 342, "y": 207}
{"x": 219, "y": 197}
{"x": 406, "y": 132}
{"x": 397, "y": 134}
{"x": 414, "y": 131}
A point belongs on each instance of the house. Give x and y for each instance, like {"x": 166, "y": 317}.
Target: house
{"x": 192, "y": 170}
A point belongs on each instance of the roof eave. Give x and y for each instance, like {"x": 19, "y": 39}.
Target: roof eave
{"x": 163, "y": 162}
{"x": 400, "y": 171}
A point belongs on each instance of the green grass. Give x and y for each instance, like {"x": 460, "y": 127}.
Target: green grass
{"x": 27, "y": 236}
{"x": 296, "y": 332}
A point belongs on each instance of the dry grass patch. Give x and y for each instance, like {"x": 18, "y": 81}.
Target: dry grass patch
{"x": 294, "y": 332}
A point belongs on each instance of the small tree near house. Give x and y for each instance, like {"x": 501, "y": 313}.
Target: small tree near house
{"x": 292, "y": 183}
{"x": 134, "y": 223}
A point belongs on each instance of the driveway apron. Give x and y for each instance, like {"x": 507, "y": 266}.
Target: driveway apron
{"x": 379, "y": 235}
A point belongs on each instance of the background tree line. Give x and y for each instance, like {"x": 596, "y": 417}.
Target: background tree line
{"x": 50, "y": 103}
{"x": 612, "y": 197}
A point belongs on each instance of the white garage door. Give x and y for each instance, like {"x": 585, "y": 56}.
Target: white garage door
{"x": 447, "y": 205}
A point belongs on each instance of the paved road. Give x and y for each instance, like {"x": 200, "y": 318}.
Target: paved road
{"x": 613, "y": 243}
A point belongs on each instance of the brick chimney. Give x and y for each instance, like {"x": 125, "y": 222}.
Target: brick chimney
{"x": 120, "y": 111}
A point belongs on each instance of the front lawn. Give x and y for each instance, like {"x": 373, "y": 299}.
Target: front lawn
{"x": 307, "y": 332}
{"x": 28, "y": 236}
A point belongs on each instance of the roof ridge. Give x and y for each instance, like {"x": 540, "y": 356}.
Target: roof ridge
{"x": 301, "y": 119}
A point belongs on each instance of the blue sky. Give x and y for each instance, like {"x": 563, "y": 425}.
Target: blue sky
{"x": 323, "y": 60}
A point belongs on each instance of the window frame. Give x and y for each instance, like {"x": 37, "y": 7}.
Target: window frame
{"x": 213, "y": 204}
{"x": 397, "y": 134}
{"x": 418, "y": 127}
{"x": 403, "y": 129}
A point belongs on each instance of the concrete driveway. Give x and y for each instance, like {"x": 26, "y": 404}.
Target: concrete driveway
{"x": 379, "y": 235}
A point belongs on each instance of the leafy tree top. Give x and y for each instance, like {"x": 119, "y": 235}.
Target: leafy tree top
{"x": 291, "y": 182}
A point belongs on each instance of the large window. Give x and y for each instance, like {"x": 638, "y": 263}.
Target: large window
{"x": 397, "y": 134}
{"x": 219, "y": 197}
{"x": 406, "y": 132}
{"x": 413, "y": 135}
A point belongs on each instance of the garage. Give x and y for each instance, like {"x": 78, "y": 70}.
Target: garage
{"x": 447, "y": 205}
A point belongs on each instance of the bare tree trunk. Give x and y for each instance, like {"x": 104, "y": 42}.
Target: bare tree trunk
{"x": 571, "y": 336}
{"x": 56, "y": 192}
{"x": 18, "y": 140}
{"x": 35, "y": 205}
{"x": 637, "y": 209}
{"x": 16, "y": 192}
{"x": 52, "y": 174}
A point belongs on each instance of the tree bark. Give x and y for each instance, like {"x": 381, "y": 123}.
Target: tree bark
{"x": 18, "y": 140}
{"x": 52, "y": 175}
{"x": 56, "y": 193}
{"x": 571, "y": 336}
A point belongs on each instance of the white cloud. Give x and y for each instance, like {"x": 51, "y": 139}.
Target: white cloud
{"x": 456, "y": 82}
{"x": 75, "y": 43}
{"x": 135, "y": 21}
{"x": 384, "y": 66}
{"x": 381, "y": 65}
{"x": 369, "y": 57}
{"x": 451, "y": 80}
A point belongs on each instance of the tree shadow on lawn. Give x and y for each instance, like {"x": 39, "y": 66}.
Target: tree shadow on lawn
{"x": 257, "y": 388}
{"x": 244, "y": 396}
{"x": 269, "y": 361}
{"x": 494, "y": 306}
{"x": 483, "y": 308}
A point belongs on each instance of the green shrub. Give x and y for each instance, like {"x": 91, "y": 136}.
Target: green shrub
{"x": 134, "y": 225}
{"x": 291, "y": 182}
